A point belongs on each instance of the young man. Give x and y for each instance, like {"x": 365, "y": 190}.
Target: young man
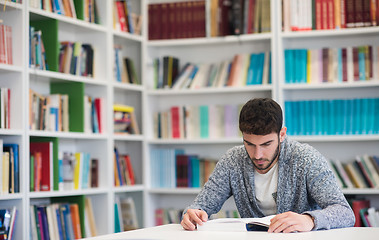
{"x": 271, "y": 174}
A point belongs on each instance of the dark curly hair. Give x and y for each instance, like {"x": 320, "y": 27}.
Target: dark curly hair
{"x": 261, "y": 116}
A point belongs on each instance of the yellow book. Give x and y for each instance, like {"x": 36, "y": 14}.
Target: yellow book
{"x": 122, "y": 108}
{"x": 169, "y": 71}
{"x": 309, "y": 63}
{"x": 116, "y": 180}
{"x": 77, "y": 170}
{"x": 5, "y": 186}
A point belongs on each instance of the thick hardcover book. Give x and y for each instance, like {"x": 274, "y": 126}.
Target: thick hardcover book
{"x": 237, "y": 224}
{"x": 46, "y": 150}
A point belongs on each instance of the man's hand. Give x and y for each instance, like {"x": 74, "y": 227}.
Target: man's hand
{"x": 193, "y": 217}
{"x": 291, "y": 222}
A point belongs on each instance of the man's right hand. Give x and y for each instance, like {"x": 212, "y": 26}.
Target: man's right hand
{"x": 193, "y": 217}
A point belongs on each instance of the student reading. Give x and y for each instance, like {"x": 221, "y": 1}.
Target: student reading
{"x": 272, "y": 174}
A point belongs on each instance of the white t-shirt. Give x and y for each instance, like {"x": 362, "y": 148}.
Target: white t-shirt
{"x": 266, "y": 186}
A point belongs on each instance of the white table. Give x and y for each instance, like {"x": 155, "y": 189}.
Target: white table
{"x": 176, "y": 232}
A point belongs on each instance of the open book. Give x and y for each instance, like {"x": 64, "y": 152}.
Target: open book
{"x": 236, "y": 224}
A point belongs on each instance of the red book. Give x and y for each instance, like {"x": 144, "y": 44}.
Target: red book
{"x": 250, "y": 16}
{"x": 99, "y": 108}
{"x": 319, "y": 14}
{"x": 9, "y": 44}
{"x": 2, "y": 44}
{"x": 358, "y": 8}
{"x": 182, "y": 162}
{"x": 370, "y": 62}
{"x": 130, "y": 169}
{"x": 355, "y": 63}
{"x": 121, "y": 16}
{"x": 366, "y": 13}
{"x": 343, "y": 14}
{"x": 159, "y": 215}
{"x": 94, "y": 173}
{"x": 324, "y": 14}
{"x": 344, "y": 64}
{"x": 172, "y": 28}
{"x": 164, "y": 21}
{"x": 37, "y": 171}
{"x": 357, "y": 205}
{"x": 350, "y": 13}
{"x": 46, "y": 150}
{"x": 175, "y": 122}
{"x": 330, "y": 21}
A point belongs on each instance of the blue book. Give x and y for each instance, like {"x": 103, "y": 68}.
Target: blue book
{"x": 287, "y": 67}
{"x": 302, "y": 118}
{"x": 339, "y": 117}
{"x": 325, "y": 116}
{"x": 361, "y": 63}
{"x": 59, "y": 224}
{"x": 195, "y": 166}
{"x": 260, "y": 68}
{"x": 357, "y": 116}
{"x": 13, "y": 149}
{"x": 129, "y": 16}
{"x": 57, "y": 8}
{"x": 204, "y": 121}
{"x": 303, "y": 61}
{"x": 67, "y": 220}
{"x": 364, "y": 116}
{"x": 350, "y": 116}
{"x": 295, "y": 117}
{"x": 269, "y": 70}
{"x": 288, "y": 116}
{"x": 376, "y": 117}
{"x": 371, "y": 116}
{"x": 249, "y": 77}
{"x": 332, "y": 118}
{"x": 319, "y": 117}
{"x": 312, "y": 124}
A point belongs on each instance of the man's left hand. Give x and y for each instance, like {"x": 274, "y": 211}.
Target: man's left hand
{"x": 291, "y": 222}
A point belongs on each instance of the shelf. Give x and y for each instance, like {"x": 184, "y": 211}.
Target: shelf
{"x": 74, "y": 135}
{"x": 11, "y": 132}
{"x": 13, "y": 196}
{"x": 332, "y": 33}
{"x": 128, "y": 86}
{"x": 39, "y": 14}
{"x": 129, "y": 36}
{"x": 255, "y": 88}
{"x": 336, "y": 138}
{"x": 128, "y": 137}
{"x": 177, "y": 191}
{"x": 366, "y": 191}
{"x": 135, "y": 188}
{"x": 68, "y": 193}
{"x": 197, "y": 141}
{"x": 208, "y": 41}
{"x": 341, "y": 86}
{"x": 47, "y": 75}
{"x": 9, "y": 4}
{"x": 10, "y": 68}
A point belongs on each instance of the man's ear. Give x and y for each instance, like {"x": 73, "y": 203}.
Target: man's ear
{"x": 282, "y": 133}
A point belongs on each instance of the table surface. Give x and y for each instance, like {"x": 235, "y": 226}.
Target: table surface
{"x": 175, "y": 232}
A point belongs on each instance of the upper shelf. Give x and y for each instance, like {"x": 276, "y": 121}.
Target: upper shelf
{"x": 327, "y": 33}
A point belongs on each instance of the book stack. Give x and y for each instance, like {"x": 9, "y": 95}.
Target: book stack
{"x": 328, "y": 65}
{"x": 37, "y": 54}
{"x": 10, "y": 165}
{"x": 5, "y": 103}
{"x": 177, "y": 20}
{"x": 172, "y": 168}
{"x": 49, "y": 113}
{"x": 76, "y": 58}
{"x": 239, "y": 17}
{"x": 242, "y": 70}
{"x": 6, "y": 46}
{"x": 7, "y": 223}
{"x": 125, "y": 120}
{"x": 65, "y": 7}
{"x": 125, "y": 19}
{"x": 363, "y": 172}
{"x": 70, "y": 219}
{"x": 125, "y": 214}
{"x": 332, "y": 116}
{"x": 197, "y": 122}
{"x": 303, "y": 15}
{"x": 124, "y": 69}
{"x": 123, "y": 169}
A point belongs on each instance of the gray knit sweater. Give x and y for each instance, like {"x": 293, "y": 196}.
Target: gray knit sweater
{"x": 305, "y": 185}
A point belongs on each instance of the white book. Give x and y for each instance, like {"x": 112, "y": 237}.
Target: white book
{"x": 350, "y": 64}
{"x": 236, "y": 224}
{"x": 266, "y": 67}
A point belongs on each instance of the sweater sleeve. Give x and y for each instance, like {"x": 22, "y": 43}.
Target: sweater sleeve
{"x": 215, "y": 191}
{"x": 322, "y": 187}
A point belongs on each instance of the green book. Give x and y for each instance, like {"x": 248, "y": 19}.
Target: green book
{"x": 31, "y": 173}
{"x": 75, "y": 92}
{"x": 55, "y": 160}
{"x": 80, "y": 200}
{"x": 79, "y": 9}
{"x": 51, "y": 44}
{"x": 204, "y": 121}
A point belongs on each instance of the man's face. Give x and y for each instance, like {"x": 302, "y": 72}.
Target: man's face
{"x": 263, "y": 150}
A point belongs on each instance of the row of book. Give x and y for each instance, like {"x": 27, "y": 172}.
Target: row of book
{"x": 303, "y": 15}
{"x": 195, "y": 122}
{"x": 171, "y": 168}
{"x": 365, "y": 214}
{"x": 239, "y": 17}
{"x": 125, "y": 214}
{"x": 331, "y": 64}
{"x": 6, "y": 48}
{"x": 123, "y": 169}
{"x": 124, "y": 69}
{"x": 125, "y": 19}
{"x": 49, "y": 112}
{"x": 7, "y": 223}
{"x": 37, "y": 54}
{"x": 242, "y": 70}
{"x": 94, "y": 115}
{"x": 5, "y": 103}
{"x": 51, "y": 169}
{"x": 124, "y": 119}
{"x": 363, "y": 172}
{"x": 76, "y": 58}
{"x": 63, "y": 220}
{"x": 177, "y": 20}
{"x": 332, "y": 116}
{"x": 82, "y": 9}
{"x": 174, "y": 216}
{"x": 9, "y": 168}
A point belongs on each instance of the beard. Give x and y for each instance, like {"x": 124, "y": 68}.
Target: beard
{"x": 253, "y": 160}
